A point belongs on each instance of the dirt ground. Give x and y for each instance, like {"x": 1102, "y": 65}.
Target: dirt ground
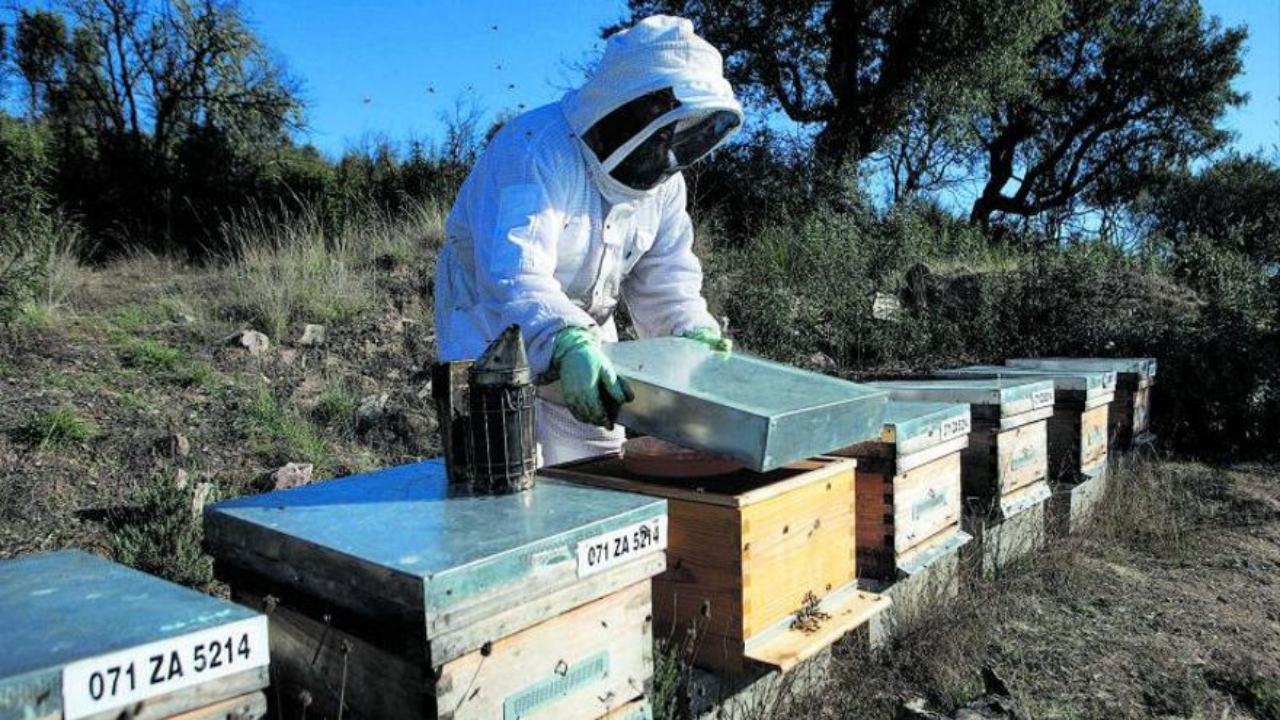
{"x": 1167, "y": 607}
{"x": 124, "y": 408}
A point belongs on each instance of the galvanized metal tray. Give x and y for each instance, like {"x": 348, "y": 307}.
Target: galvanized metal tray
{"x": 762, "y": 414}
{"x": 68, "y": 615}
{"x": 916, "y": 426}
{"x": 401, "y": 546}
{"x": 1093, "y": 387}
{"x": 1003, "y": 397}
{"x": 1143, "y": 368}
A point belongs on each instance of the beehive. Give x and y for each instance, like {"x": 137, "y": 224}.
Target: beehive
{"x": 750, "y": 555}
{"x": 908, "y": 488}
{"x": 398, "y": 598}
{"x": 1004, "y": 470}
{"x": 83, "y": 637}
{"x": 1130, "y": 417}
{"x": 1078, "y": 438}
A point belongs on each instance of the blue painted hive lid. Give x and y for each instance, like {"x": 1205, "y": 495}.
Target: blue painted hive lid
{"x": 395, "y": 544}
{"x": 916, "y": 426}
{"x": 1004, "y": 397}
{"x": 64, "y": 611}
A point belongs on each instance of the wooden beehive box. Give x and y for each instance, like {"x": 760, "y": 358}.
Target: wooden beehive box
{"x": 1078, "y": 435}
{"x": 82, "y": 637}
{"x": 908, "y": 488}
{"x": 750, "y": 554}
{"x": 1005, "y": 468}
{"x": 1130, "y": 416}
{"x": 400, "y": 598}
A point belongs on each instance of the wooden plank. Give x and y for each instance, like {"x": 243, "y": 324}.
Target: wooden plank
{"x": 844, "y": 613}
{"x": 246, "y": 707}
{"x": 1141, "y": 411}
{"x": 1022, "y": 455}
{"x": 1093, "y": 438}
{"x": 873, "y": 502}
{"x": 701, "y": 591}
{"x": 333, "y": 662}
{"x": 578, "y": 666}
{"x": 797, "y": 544}
{"x": 639, "y": 709}
{"x": 734, "y": 490}
{"x": 926, "y": 501}
{"x": 915, "y": 460}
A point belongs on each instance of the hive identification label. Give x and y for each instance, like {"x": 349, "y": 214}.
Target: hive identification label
{"x": 139, "y": 673}
{"x": 599, "y": 553}
{"x": 1041, "y": 398}
{"x": 954, "y": 427}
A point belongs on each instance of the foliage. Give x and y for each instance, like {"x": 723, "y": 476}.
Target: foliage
{"x": 161, "y": 534}
{"x": 57, "y": 426}
{"x": 1232, "y": 201}
{"x": 25, "y": 224}
{"x": 864, "y": 294}
{"x": 279, "y": 435}
{"x": 857, "y": 69}
{"x": 1118, "y": 89}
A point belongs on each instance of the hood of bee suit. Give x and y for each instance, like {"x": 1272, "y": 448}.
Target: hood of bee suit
{"x": 657, "y": 54}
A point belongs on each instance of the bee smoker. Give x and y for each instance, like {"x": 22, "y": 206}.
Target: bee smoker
{"x": 486, "y": 414}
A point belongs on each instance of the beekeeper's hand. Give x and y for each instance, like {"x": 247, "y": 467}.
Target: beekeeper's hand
{"x": 592, "y": 390}
{"x": 710, "y": 337}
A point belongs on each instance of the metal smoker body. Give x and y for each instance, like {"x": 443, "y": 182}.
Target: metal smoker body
{"x": 486, "y": 410}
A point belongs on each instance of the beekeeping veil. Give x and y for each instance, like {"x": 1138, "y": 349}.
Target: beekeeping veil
{"x": 657, "y": 103}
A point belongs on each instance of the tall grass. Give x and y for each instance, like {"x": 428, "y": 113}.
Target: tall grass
{"x": 298, "y": 269}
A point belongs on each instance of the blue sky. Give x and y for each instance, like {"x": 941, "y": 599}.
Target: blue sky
{"x": 392, "y": 68}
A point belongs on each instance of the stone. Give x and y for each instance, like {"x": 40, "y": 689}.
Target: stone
{"x": 307, "y": 394}
{"x": 917, "y": 709}
{"x": 417, "y": 431}
{"x": 288, "y": 357}
{"x": 180, "y": 479}
{"x": 179, "y": 445}
{"x": 199, "y": 497}
{"x": 312, "y": 335}
{"x": 252, "y": 340}
{"x": 371, "y": 409}
{"x": 821, "y": 362}
{"x": 291, "y": 475}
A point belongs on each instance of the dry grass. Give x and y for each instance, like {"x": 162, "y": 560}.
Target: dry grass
{"x": 297, "y": 271}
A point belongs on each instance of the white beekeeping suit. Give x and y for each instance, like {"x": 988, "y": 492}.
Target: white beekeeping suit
{"x": 576, "y": 204}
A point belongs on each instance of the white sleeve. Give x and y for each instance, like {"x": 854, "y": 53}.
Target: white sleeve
{"x": 663, "y": 291}
{"x": 516, "y": 235}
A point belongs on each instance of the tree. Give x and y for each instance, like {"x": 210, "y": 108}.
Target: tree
{"x": 166, "y": 112}
{"x": 858, "y": 69}
{"x": 40, "y": 44}
{"x": 1123, "y": 88}
{"x": 1231, "y": 203}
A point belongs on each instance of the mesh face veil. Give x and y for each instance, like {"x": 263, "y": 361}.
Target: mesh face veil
{"x": 649, "y": 139}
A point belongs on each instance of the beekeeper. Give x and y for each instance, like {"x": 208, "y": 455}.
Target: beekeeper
{"x": 577, "y": 204}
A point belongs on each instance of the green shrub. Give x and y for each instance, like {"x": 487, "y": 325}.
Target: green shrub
{"x": 58, "y": 426}
{"x": 161, "y": 533}
{"x": 811, "y": 285}
{"x": 25, "y": 226}
{"x": 151, "y": 354}
{"x": 336, "y": 409}
{"x": 279, "y": 435}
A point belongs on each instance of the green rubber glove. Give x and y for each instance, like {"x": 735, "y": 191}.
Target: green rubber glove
{"x": 592, "y": 390}
{"x": 710, "y": 337}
